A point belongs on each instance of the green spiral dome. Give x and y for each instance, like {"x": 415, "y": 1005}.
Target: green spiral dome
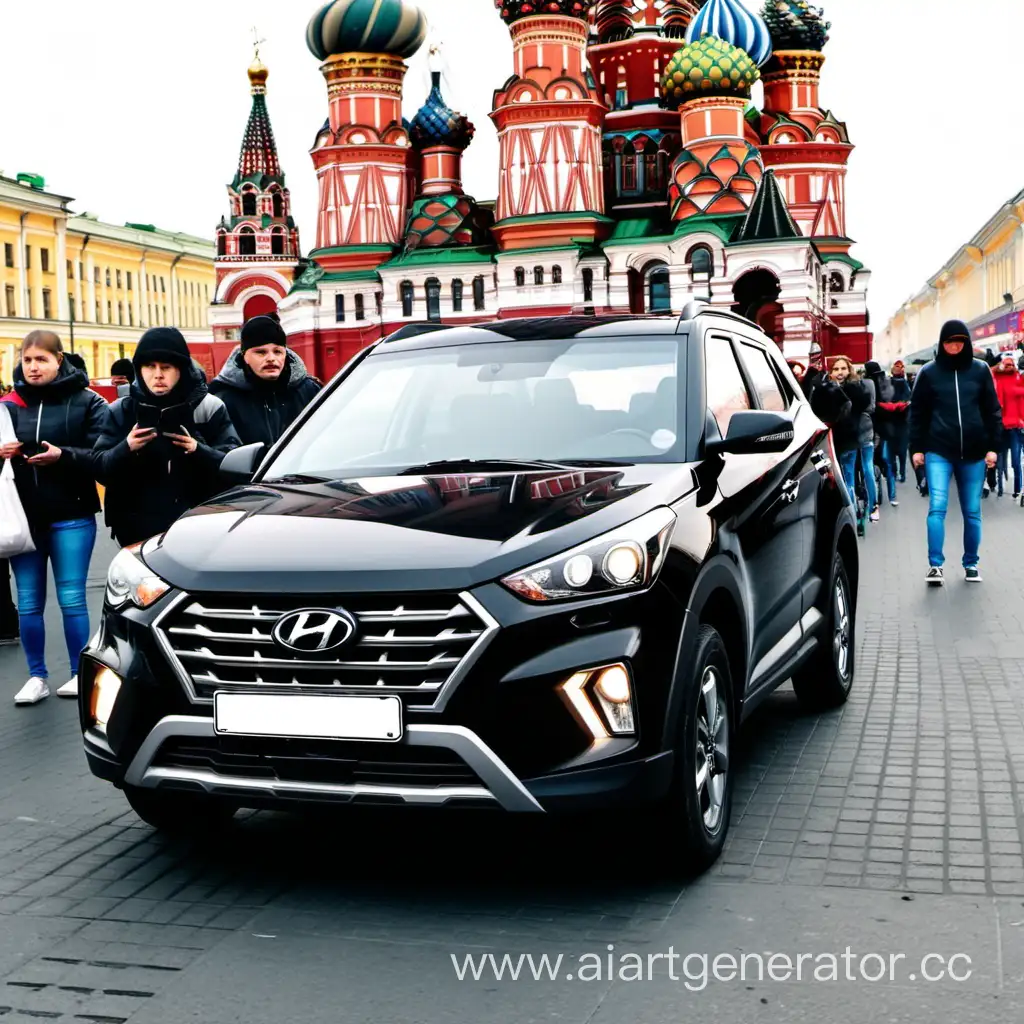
{"x": 708, "y": 67}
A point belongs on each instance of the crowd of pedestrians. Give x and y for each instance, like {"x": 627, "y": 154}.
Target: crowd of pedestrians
{"x": 155, "y": 450}
{"x": 961, "y": 419}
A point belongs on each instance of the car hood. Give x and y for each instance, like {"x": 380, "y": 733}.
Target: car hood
{"x": 401, "y": 533}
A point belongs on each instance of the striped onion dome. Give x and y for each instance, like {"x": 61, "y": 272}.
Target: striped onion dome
{"x": 395, "y": 27}
{"x": 731, "y": 21}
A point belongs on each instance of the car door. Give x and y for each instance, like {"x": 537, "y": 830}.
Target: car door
{"x": 760, "y": 508}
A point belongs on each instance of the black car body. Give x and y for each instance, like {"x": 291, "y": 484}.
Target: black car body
{"x": 561, "y": 586}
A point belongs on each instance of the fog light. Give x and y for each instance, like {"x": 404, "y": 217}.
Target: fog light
{"x": 578, "y": 570}
{"x": 623, "y": 563}
{"x": 613, "y": 684}
{"x": 601, "y": 700}
{"x": 105, "y": 688}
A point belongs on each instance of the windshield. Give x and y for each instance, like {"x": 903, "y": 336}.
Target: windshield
{"x": 567, "y": 401}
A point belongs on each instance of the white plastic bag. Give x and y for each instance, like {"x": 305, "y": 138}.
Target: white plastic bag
{"x": 15, "y": 535}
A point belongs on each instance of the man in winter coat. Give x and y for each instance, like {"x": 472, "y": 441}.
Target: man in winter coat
{"x": 154, "y": 474}
{"x": 887, "y": 409}
{"x": 955, "y": 429}
{"x": 901, "y": 416}
{"x": 264, "y": 384}
{"x": 1010, "y": 392}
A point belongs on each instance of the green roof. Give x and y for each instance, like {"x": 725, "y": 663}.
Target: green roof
{"x": 544, "y": 218}
{"x": 428, "y": 257}
{"x": 841, "y": 257}
{"x": 351, "y": 277}
{"x": 723, "y": 225}
{"x": 340, "y": 250}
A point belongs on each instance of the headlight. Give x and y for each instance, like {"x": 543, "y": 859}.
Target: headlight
{"x": 130, "y": 579}
{"x": 628, "y": 558}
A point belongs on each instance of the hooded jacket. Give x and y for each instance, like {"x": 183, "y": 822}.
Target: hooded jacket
{"x": 856, "y": 429}
{"x": 1010, "y": 392}
{"x": 71, "y": 417}
{"x": 954, "y": 410}
{"x": 263, "y": 410}
{"x": 891, "y": 408}
{"x": 149, "y": 489}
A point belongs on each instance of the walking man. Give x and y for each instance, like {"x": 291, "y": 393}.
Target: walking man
{"x": 956, "y": 426}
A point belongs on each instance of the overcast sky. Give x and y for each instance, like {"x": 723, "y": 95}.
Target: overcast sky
{"x": 137, "y": 111}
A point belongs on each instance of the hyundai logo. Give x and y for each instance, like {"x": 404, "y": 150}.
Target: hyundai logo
{"x": 314, "y": 630}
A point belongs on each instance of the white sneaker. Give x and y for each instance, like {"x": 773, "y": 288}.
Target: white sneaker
{"x": 935, "y": 576}
{"x": 33, "y": 692}
{"x": 69, "y": 689}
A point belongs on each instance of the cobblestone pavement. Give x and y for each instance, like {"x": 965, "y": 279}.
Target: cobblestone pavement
{"x": 893, "y": 826}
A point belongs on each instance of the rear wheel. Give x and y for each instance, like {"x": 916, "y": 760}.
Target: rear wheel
{"x": 695, "y": 816}
{"x": 824, "y": 682}
{"x": 179, "y": 813}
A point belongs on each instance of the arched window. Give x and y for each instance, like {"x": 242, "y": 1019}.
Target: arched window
{"x": 588, "y": 285}
{"x": 278, "y": 205}
{"x": 835, "y": 282}
{"x": 478, "y": 293}
{"x": 360, "y": 308}
{"x": 222, "y": 245}
{"x": 701, "y": 261}
{"x": 456, "y": 296}
{"x": 249, "y": 203}
{"x": 520, "y": 277}
{"x": 277, "y": 243}
{"x": 433, "y": 287}
{"x": 408, "y": 295}
{"x": 247, "y": 242}
{"x": 556, "y": 275}
{"x": 538, "y": 275}
{"x": 659, "y": 289}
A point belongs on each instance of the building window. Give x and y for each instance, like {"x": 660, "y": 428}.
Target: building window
{"x": 379, "y": 299}
{"x": 277, "y": 243}
{"x": 98, "y": 318}
{"x": 278, "y": 205}
{"x": 44, "y": 260}
{"x": 246, "y": 243}
{"x": 120, "y": 281}
{"x": 249, "y": 204}
{"x": 96, "y": 275}
{"x": 28, "y": 257}
{"x": 71, "y": 305}
{"x": 588, "y": 285}
{"x": 478, "y": 293}
{"x": 81, "y": 271}
{"x": 659, "y": 289}
{"x": 456, "y": 296}
{"x": 70, "y": 270}
{"x": 128, "y": 279}
{"x": 360, "y": 308}
{"x": 701, "y": 263}
{"x": 556, "y": 275}
{"x": 538, "y": 275}
{"x": 408, "y": 294}
{"x": 131, "y": 317}
{"x": 12, "y": 309}
{"x": 110, "y": 313}
{"x": 8, "y": 254}
{"x": 339, "y": 308}
{"x": 520, "y": 277}
{"x": 433, "y": 288}
{"x": 108, "y": 277}
{"x": 163, "y": 285}
{"x": 47, "y": 304}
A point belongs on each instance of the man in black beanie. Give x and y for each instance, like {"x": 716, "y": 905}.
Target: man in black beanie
{"x": 956, "y": 427}
{"x": 122, "y": 376}
{"x": 264, "y": 384}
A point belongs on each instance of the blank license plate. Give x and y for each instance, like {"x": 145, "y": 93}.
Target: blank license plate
{"x": 291, "y": 716}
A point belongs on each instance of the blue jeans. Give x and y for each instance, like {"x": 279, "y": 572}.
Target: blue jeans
{"x": 970, "y": 478}
{"x": 889, "y": 461}
{"x": 69, "y": 547}
{"x": 1013, "y": 444}
{"x": 848, "y": 460}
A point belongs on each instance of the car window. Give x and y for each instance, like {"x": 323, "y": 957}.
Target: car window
{"x": 727, "y": 394}
{"x": 766, "y": 384}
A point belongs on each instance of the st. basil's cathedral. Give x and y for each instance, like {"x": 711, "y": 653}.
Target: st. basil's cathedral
{"x": 635, "y": 174}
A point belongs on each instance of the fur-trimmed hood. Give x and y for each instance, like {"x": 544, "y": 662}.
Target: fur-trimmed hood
{"x": 234, "y": 374}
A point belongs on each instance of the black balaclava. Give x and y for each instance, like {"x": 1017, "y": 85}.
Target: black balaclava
{"x": 959, "y": 331}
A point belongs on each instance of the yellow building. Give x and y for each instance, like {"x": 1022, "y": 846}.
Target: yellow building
{"x": 98, "y": 286}
{"x": 982, "y": 284}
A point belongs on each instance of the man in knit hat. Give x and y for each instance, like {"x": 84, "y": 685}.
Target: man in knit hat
{"x": 264, "y": 384}
{"x": 956, "y": 427}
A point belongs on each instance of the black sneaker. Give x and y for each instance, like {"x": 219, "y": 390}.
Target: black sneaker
{"x": 972, "y": 575}
{"x": 936, "y": 577}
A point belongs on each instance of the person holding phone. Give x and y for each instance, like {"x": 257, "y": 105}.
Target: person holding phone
{"x": 163, "y": 444}
{"x": 57, "y": 421}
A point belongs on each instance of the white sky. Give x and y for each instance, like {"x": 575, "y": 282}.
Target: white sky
{"x": 137, "y": 110}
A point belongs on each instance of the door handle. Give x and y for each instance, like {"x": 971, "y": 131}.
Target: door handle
{"x": 790, "y": 491}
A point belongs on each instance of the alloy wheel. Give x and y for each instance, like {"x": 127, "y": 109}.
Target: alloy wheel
{"x": 712, "y": 760}
{"x": 841, "y": 628}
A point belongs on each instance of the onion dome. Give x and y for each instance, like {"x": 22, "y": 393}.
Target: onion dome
{"x": 436, "y": 124}
{"x": 710, "y": 67}
{"x": 513, "y": 10}
{"x": 796, "y": 25}
{"x": 616, "y": 20}
{"x": 731, "y": 21}
{"x": 394, "y": 27}
{"x": 258, "y": 74}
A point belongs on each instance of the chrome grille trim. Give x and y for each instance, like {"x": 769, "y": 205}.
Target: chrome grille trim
{"x": 443, "y": 672}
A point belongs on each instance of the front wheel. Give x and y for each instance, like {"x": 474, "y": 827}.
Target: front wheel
{"x": 179, "y": 813}
{"x": 824, "y": 682}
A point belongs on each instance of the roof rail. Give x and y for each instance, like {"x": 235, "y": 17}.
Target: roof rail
{"x": 694, "y": 306}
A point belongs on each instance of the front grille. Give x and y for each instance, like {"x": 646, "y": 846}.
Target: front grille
{"x": 409, "y": 645}
{"x": 330, "y": 763}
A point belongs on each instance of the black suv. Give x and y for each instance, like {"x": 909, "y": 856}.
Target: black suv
{"x": 539, "y": 565}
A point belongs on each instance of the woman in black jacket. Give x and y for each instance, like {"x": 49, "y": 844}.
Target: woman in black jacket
{"x": 57, "y": 421}
{"x": 854, "y": 433}
{"x": 161, "y": 451}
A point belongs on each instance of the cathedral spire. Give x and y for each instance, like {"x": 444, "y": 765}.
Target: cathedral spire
{"x": 258, "y": 157}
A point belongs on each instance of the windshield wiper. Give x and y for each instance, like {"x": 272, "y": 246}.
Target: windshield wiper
{"x": 470, "y": 465}
{"x": 298, "y": 478}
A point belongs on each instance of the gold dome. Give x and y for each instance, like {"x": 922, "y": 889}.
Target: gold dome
{"x": 258, "y": 72}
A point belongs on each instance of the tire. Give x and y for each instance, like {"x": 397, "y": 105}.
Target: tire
{"x": 824, "y": 682}
{"x": 693, "y": 820}
{"x": 179, "y": 813}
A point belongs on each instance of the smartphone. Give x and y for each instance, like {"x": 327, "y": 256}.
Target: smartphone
{"x": 148, "y": 417}
{"x": 30, "y": 449}
{"x": 177, "y": 420}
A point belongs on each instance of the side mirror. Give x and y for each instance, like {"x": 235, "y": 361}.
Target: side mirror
{"x": 239, "y": 465}
{"x": 752, "y": 432}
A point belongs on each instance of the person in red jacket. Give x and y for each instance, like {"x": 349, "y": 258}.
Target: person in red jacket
{"x": 1010, "y": 389}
